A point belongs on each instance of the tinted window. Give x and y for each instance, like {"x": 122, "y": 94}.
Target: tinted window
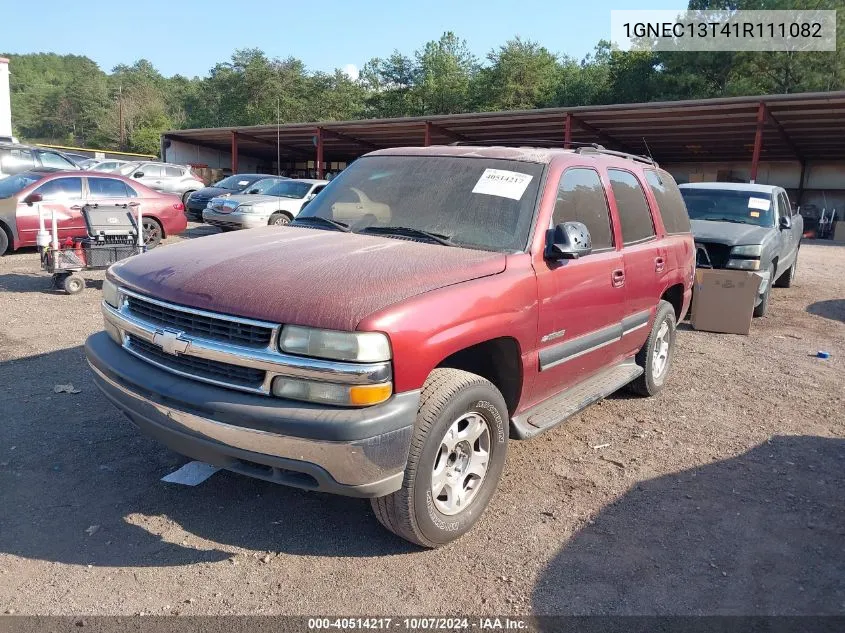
{"x": 151, "y": 171}
{"x": 49, "y": 159}
{"x": 107, "y": 188}
{"x": 172, "y": 172}
{"x": 61, "y": 189}
{"x": 634, "y": 215}
{"x": 318, "y": 189}
{"x": 10, "y": 185}
{"x": 670, "y": 203}
{"x": 580, "y": 198}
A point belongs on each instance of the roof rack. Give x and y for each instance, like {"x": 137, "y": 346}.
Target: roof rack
{"x": 598, "y": 149}
{"x": 518, "y": 142}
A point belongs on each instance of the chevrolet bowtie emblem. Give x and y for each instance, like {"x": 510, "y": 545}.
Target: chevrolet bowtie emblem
{"x": 170, "y": 342}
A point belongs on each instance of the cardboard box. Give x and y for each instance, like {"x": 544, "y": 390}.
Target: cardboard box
{"x": 723, "y": 300}
{"x": 839, "y": 231}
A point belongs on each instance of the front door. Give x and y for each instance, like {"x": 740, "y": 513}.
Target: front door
{"x": 62, "y": 196}
{"x": 582, "y": 300}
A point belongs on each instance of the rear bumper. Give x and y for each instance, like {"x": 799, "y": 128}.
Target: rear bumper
{"x": 352, "y": 452}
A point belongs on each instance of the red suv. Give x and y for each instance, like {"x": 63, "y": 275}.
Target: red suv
{"x": 66, "y": 192}
{"x": 425, "y": 306}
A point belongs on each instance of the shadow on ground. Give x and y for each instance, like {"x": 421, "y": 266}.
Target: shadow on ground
{"x": 72, "y": 461}
{"x": 761, "y": 533}
{"x": 831, "y": 309}
{"x": 40, "y": 282}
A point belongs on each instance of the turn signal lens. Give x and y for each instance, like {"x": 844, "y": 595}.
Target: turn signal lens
{"x": 365, "y": 395}
{"x": 330, "y": 392}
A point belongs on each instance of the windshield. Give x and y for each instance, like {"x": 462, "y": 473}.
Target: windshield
{"x": 480, "y": 203}
{"x": 236, "y": 182}
{"x": 127, "y": 168}
{"x": 11, "y": 185}
{"x": 289, "y": 189}
{"x": 727, "y": 205}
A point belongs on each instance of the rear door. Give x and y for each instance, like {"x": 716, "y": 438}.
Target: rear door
{"x": 62, "y": 196}
{"x": 581, "y": 300}
{"x": 153, "y": 176}
{"x": 643, "y": 255}
{"x": 173, "y": 177}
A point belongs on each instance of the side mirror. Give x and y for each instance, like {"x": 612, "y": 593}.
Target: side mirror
{"x": 569, "y": 240}
{"x": 33, "y": 198}
{"x": 254, "y": 190}
{"x": 138, "y": 174}
{"x": 785, "y": 223}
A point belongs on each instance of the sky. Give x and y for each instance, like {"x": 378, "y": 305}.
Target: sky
{"x": 188, "y": 37}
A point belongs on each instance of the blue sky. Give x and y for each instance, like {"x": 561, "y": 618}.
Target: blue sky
{"x": 188, "y": 38}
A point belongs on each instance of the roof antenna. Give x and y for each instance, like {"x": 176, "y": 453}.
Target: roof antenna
{"x": 648, "y": 150}
{"x": 278, "y": 141}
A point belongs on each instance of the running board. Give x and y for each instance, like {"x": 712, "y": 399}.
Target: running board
{"x": 556, "y": 409}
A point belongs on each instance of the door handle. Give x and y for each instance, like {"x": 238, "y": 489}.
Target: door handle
{"x": 659, "y": 264}
{"x": 76, "y": 207}
{"x": 134, "y": 204}
{"x": 618, "y": 278}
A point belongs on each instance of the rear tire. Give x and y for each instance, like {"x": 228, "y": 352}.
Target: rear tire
{"x": 153, "y": 233}
{"x": 455, "y": 462}
{"x": 185, "y": 197}
{"x": 655, "y": 356}
{"x": 279, "y": 219}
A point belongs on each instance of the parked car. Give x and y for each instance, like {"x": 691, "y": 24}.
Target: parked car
{"x": 746, "y": 227}
{"x": 66, "y": 192}
{"x": 164, "y": 177}
{"x": 229, "y": 186}
{"x": 107, "y": 165}
{"x": 16, "y": 158}
{"x": 77, "y": 159}
{"x": 481, "y": 293}
{"x": 278, "y": 205}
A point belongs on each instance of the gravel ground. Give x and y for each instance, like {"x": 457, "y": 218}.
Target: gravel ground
{"x": 722, "y": 496}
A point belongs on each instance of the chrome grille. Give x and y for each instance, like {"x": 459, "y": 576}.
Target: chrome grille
{"x": 208, "y": 327}
{"x": 199, "y": 367}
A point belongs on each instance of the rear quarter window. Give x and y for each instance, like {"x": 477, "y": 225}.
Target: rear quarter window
{"x": 670, "y": 203}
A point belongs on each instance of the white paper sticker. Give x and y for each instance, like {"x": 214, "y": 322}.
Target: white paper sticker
{"x": 191, "y": 474}
{"x": 759, "y": 203}
{"x": 243, "y": 183}
{"x": 502, "y": 183}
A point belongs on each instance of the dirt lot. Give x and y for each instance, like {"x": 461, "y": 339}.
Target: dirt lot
{"x": 724, "y": 495}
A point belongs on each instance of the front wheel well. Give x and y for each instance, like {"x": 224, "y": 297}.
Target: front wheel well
{"x": 675, "y": 296}
{"x": 498, "y": 360}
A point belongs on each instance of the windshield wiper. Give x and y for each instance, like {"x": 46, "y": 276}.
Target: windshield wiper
{"x": 732, "y": 220}
{"x": 338, "y": 226}
{"x": 440, "y": 238}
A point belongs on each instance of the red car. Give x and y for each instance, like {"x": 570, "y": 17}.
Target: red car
{"x": 67, "y": 192}
{"x": 428, "y": 304}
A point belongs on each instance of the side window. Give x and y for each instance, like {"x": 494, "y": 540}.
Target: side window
{"x": 172, "y": 172}
{"x": 151, "y": 171}
{"x": 107, "y": 188}
{"x": 670, "y": 203}
{"x": 61, "y": 189}
{"x": 786, "y": 208}
{"x": 51, "y": 159}
{"x": 634, "y": 215}
{"x": 318, "y": 189}
{"x": 580, "y": 198}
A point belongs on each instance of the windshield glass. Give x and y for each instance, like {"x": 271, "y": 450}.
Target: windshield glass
{"x": 127, "y": 168}
{"x": 289, "y": 189}
{"x": 10, "y": 185}
{"x": 236, "y": 182}
{"x": 726, "y": 205}
{"x": 480, "y": 203}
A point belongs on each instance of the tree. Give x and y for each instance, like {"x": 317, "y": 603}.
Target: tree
{"x": 445, "y": 70}
{"x": 522, "y": 75}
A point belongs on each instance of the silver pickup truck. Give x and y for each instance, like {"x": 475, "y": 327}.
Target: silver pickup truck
{"x": 746, "y": 227}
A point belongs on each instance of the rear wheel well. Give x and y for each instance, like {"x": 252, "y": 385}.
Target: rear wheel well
{"x": 498, "y": 360}
{"x": 157, "y": 221}
{"x": 675, "y": 296}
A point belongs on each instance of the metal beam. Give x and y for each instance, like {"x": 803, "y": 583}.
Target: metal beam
{"x": 787, "y": 139}
{"x": 758, "y": 141}
{"x": 447, "y": 132}
{"x": 567, "y": 131}
{"x": 234, "y": 152}
{"x": 427, "y": 137}
{"x": 601, "y": 134}
{"x": 346, "y": 137}
{"x": 320, "y": 132}
{"x": 264, "y": 141}
{"x": 801, "y": 183}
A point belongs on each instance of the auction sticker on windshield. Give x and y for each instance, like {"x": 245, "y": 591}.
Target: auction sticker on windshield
{"x": 502, "y": 183}
{"x": 759, "y": 203}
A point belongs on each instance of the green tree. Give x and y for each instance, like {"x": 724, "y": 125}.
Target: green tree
{"x": 522, "y": 74}
{"x": 445, "y": 69}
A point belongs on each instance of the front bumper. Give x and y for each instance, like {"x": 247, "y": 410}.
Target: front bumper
{"x": 234, "y": 220}
{"x": 352, "y": 452}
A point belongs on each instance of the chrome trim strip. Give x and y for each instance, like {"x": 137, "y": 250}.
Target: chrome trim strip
{"x": 581, "y": 353}
{"x": 349, "y": 463}
{"x": 273, "y": 362}
{"x": 633, "y": 329}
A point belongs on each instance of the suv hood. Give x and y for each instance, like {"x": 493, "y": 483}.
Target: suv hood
{"x": 728, "y": 233}
{"x": 297, "y": 275}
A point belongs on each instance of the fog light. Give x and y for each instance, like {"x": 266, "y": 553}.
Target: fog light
{"x": 330, "y": 392}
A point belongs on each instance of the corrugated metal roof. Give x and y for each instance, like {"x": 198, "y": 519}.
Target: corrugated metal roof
{"x": 797, "y": 126}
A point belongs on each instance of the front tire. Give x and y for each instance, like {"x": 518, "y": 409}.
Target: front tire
{"x": 4, "y": 242}
{"x": 788, "y": 277}
{"x": 761, "y": 308}
{"x": 455, "y": 462}
{"x": 655, "y": 356}
{"x": 279, "y": 219}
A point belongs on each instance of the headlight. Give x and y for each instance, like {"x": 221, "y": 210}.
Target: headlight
{"x": 744, "y": 264}
{"x": 245, "y": 208}
{"x": 331, "y": 393}
{"x": 111, "y": 294}
{"x": 364, "y": 347}
{"x": 753, "y": 250}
